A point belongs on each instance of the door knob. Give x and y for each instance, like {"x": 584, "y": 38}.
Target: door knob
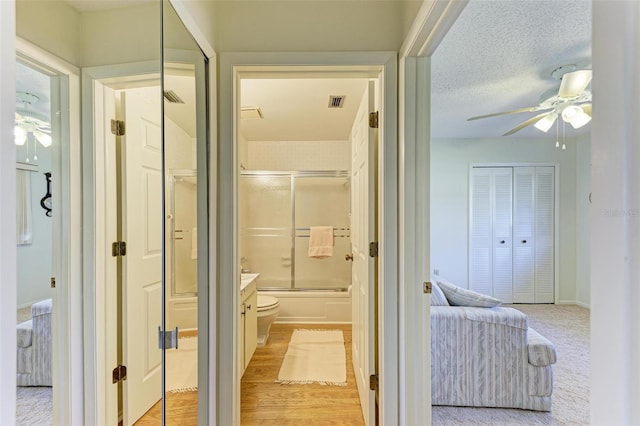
{"x": 524, "y": 241}
{"x": 348, "y": 257}
{"x": 501, "y": 241}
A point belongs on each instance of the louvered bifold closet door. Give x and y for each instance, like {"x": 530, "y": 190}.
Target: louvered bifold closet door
{"x": 523, "y": 235}
{"x": 544, "y": 234}
{"x": 502, "y": 238}
{"x": 480, "y": 232}
{"x": 490, "y": 260}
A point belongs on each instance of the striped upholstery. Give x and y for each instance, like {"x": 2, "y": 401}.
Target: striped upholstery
{"x": 24, "y": 334}
{"x": 458, "y": 296}
{"x": 34, "y": 360}
{"x": 541, "y": 350}
{"x": 437, "y": 296}
{"x": 479, "y": 357}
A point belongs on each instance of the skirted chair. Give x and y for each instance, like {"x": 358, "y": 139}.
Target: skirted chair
{"x": 34, "y": 347}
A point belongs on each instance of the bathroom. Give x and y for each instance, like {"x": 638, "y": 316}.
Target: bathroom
{"x": 295, "y": 160}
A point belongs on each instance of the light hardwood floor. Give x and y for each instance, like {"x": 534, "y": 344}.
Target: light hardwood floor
{"x": 265, "y": 402}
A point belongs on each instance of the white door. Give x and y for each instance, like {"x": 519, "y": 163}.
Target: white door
{"x": 142, "y": 266}
{"x": 523, "y": 235}
{"x": 363, "y": 225}
{"x": 544, "y": 235}
{"x": 490, "y": 242}
{"x": 502, "y": 234}
{"x": 480, "y": 231}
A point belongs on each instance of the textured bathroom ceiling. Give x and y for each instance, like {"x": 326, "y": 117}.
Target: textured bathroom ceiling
{"x": 498, "y": 56}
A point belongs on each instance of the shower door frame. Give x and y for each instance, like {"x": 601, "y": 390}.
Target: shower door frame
{"x": 171, "y": 177}
{"x": 292, "y": 176}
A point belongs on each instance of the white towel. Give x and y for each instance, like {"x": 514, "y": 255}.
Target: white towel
{"x": 321, "y": 242}
{"x": 194, "y": 243}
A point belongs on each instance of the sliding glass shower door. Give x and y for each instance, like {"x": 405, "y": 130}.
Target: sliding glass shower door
{"x": 277, "y": 211}
{"x": 322, "y": 201}
{"x": 266, "y": 225}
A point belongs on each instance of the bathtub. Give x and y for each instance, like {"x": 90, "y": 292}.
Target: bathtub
{"x": 310, "y": 306}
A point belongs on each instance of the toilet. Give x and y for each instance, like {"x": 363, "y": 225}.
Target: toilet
{"x": 268, "y": 308}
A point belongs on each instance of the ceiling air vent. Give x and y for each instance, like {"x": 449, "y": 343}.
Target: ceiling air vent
{"x": 336, "y": 101}
{"x": 172, "y": 97}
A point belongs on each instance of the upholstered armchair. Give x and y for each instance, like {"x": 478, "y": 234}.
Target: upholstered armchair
{"x": 34, "y": 347}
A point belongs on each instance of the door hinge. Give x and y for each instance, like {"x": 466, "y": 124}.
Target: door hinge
{"x": 53, "y": 282}
{"x": 117, "y": 127}
{"x": 167, "y": 339}
{"x": 119, "y": 373}
{"x": 426, "y": 287}
{"x": 373, "y": 249}
{"x": 373, "y": 120}
{"x": 119, "y": 248}
{"x": 373, "y": 382}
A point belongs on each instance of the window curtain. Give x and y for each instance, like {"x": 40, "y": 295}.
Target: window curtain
{"x": 24, "y": 228}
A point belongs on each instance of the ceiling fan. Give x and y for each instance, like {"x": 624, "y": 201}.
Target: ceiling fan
{"x": 571, "y": 101}
{"x": 27, "y": 122}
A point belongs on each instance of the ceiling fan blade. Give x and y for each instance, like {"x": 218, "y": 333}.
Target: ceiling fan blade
{"x": 587, "y": 109}
{"x": 525, "y": 124}
{"x": 515, "y": 111}
{"x": 574, "y": 83}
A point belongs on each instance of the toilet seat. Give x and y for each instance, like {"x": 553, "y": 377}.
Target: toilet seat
{"x": 266, "y": 303}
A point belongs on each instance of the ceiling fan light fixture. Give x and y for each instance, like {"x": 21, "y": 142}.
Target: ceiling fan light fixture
{"x": 43, "y": 138}
{"x": 545, "y": 123}
{"x": 20, "y": 135}
{"x": 575, "y": 116}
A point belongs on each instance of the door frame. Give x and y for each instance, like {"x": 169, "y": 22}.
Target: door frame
{"x": 232, "y": 65}
{"x": 100, "y": 229}
{"x": 556, "y": 216}
{"x": 67, "y": 225}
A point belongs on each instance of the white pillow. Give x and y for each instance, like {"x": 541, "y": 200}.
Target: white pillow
{"x": 437, "y": 296}
{"x": 458, "y": 296}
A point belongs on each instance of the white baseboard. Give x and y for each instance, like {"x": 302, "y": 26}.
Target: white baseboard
{"x": 573, "y": 302}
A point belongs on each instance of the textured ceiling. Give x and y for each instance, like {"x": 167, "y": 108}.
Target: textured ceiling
{"x": 35, "y": 83}
{"x": 498, "y": 56}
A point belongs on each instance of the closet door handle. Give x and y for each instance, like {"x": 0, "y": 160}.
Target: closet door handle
{"x": 524, "y": 241}
{"x": 501, "y": 241}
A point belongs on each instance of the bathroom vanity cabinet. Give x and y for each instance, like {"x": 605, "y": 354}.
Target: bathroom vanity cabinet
{"x": 248, "y": 324}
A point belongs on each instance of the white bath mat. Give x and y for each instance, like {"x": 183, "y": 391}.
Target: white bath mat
{"x": 315, "y": 356}
{"x": 182, "y": 366}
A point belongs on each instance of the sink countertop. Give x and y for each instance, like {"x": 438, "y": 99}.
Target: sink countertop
{"x": 246, "y": 279}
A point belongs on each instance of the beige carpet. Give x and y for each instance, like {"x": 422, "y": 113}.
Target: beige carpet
{"x": 182, "y": 366}
{"x": 315, "y": 356}
{"x": 567, "y": 326}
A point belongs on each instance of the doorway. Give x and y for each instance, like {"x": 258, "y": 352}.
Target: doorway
{"x": 47, "y": 156}
{"x": 275, "y": 155}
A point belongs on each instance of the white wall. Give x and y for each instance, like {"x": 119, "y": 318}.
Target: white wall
{"x": 121, "y": 35}
{"x": 52, "y": 25}
{"x": 7, "y": 214}
{"x": 450, "y": 162}
{"x": 292, "y": 155}
{"x": 583, "y": 218}
{"x": 34, "y": 260}
{"x": 309, "y": 26}
{"x": 615, "y": 215}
